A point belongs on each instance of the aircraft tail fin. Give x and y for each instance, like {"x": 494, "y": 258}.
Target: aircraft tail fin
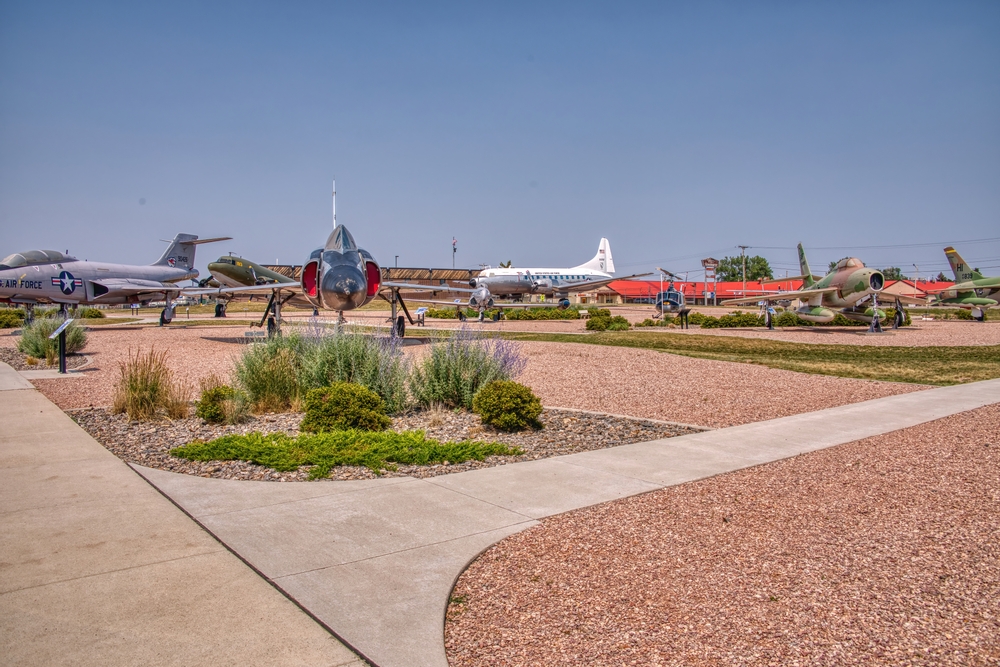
{"x": 180, "y": 252}
{"x": 602, "y": 260}
{"x": 807, "y": 279}
{"x": 959, "y": 267}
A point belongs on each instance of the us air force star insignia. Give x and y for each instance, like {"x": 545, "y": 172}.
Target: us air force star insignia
{"x": 66, "y": 282}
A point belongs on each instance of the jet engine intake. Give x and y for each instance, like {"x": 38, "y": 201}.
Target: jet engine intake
{"x": 310, "y": 277}
{"x": 373, "y": 274}
{"x": 876, "y": 281}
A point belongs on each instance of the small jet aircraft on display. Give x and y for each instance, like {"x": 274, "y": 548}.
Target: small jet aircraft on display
{"x": 971, "y": 288}
{"x": 558, "y": 283}
{"x": 851, "y": 288}
{"x": 233, "y": 271}
{"x": 340, "y": 276}
{"x": 36, "y": 277}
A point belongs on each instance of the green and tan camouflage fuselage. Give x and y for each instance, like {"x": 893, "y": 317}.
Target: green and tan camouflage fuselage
{"x": 849, "y": 288}
{"x": 971, "y": 288}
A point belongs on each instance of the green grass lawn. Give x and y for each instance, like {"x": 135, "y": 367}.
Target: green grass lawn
{"x": 923, "y": 365}
{"x": 376, "y": 450}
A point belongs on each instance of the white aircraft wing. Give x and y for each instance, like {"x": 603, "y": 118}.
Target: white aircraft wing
{"x": 586, "y": 286}
{"x": 425, "y": 288}
{"x": 465, "y": 304}
{"x": 781, "y": 296}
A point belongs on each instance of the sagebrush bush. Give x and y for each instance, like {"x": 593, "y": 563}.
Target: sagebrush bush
{"x": 35, "y": 338}
{"x": 509, "y": 406}
{"x": 146, "y": 387}
{"x": 11, "y": 318}
{"x": 344, "y": 405}
{"x": 460, "y": 366}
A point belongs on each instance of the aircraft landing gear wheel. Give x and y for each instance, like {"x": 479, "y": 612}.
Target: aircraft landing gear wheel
{"x": 400, "y": 328}
{"x": 462, "y": 317}
{"x": 272, "y": 327}
{"x": 220, "y": 310}
{"x": 496, "y": 316}
{"x": 164, "y": 318}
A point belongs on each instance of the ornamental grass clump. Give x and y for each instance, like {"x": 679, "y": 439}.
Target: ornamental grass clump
{"x": 376, "y": 450}
{"x": 341, "y": 406}
{"x": 457, "y": 368}
{"x": 35, "y": 338}
{"x": 146, "y": 388}
{"x": 269, "y": 373}
{"x": 372, "y": 361}
{"x": 509, "y": 406}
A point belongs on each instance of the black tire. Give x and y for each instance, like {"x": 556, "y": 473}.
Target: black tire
{"x": 163, "y": 317}
{"x": 400, "y": 328}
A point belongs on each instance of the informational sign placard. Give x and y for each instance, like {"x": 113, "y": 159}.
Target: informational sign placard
{"x": 62, "y": 327}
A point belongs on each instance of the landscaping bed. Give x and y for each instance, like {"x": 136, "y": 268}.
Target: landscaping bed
{"x": 565, "y": 431}
{"x": 17, "y": 360}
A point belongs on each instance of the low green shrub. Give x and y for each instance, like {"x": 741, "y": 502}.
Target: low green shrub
{"x": 458, "y": 367}
{"x": 665, "y": 321}
{"x": 342, "y": 406}
{"x": 376, "y": 450}
{"x": 91, "y": 313}
{"x": 509, "y": 406}
{"x": 697, "y": 318}
{"x": 607, "y": 323}
{"x": 222, "y": 404}
{"x": 572, "y": 313}
{"x": 35, "y": 338}
{"x": 739, "y": 319}
{"x": 11, "y": 318}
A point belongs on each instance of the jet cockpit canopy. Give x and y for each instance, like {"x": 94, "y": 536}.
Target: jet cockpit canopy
{"x": 850, "y": 263}
{"x": 33, "y": 257}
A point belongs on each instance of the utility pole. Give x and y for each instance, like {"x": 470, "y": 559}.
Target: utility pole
{"x": 397, "y": 261}
{"x": 454, "y": 249}
{"x": 743, "y": 257}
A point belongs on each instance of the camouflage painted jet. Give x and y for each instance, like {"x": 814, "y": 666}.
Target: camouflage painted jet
{"x": 971, "y": 289}
{"x": 48, "y": 276}
{"x": 850, "y": 289}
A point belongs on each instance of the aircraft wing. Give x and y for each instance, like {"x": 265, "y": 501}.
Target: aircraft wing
{"x": 119, "y": 286}
{"x": 425, "y": 288}
{"x": 248, "y": 289}
{"x": 780, "y": 296}
{"x": 465, "y": 304}
{"x": 592, "y": 284}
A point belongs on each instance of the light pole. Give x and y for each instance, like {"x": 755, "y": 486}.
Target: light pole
{"x": 915, "y": 280}
{"x": 743, "y": 258}
{"x": 397, "y": 261}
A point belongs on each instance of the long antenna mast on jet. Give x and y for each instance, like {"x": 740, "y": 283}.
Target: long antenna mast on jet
{"x": 335, "y": 203}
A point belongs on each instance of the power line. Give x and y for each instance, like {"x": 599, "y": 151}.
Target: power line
{"x": 869, "y": 247}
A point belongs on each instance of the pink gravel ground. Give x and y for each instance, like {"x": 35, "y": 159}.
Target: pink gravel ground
{"x": 637, "y": 383}
{"x": 884, "y": 551}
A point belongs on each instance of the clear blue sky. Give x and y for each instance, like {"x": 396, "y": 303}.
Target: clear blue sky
{"x": 526, "y": 130}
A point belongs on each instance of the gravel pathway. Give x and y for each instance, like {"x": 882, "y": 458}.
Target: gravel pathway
{"x": 884, "y": 551}
{"x": 17, "y": 360}
{"x": 565, "y": 432}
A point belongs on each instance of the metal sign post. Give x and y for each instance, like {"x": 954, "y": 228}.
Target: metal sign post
{"x": 60, "y": 333}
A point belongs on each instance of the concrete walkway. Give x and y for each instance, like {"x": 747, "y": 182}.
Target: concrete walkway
{"x": 376, "y": 560}
{"x": 97, "y": 568}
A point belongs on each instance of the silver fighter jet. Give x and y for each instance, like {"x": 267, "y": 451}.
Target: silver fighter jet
{"x": 48, "y": 276}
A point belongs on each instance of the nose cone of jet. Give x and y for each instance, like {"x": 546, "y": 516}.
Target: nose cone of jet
{"x": 343, "y": 288}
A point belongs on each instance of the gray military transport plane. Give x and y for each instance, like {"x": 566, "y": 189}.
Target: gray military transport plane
{"x": 47, "y": 276}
